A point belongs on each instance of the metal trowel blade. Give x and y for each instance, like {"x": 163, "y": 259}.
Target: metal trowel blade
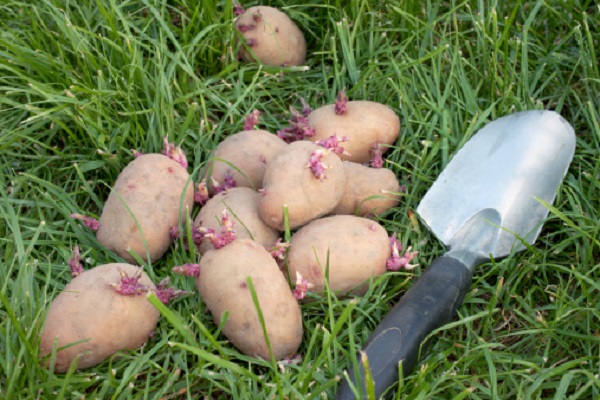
{"x": 511, "y": 167}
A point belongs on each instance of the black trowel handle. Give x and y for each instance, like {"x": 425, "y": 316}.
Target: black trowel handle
{"x": 430, "y": 303}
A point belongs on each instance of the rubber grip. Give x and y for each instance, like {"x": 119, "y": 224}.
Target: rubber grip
{"x": 429, "y": 304}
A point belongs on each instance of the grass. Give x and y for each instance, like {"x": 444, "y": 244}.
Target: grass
{"x": 82, "y": 82}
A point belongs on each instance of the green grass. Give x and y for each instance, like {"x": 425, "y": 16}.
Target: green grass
{"x": 82, "y": 82}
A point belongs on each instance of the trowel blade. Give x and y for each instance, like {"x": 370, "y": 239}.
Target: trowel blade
{"x": 512, "y": 165}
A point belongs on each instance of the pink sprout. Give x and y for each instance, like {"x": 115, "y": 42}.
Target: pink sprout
{"x": 245, "y": 28}
{"x": 229, "y": 182}
{"x": 226, "y": 223}
{"x": 223, "y": 238}
{"x": 306, "y": 110}
{"x": 238, "y": 9}
{"x": 251, "y": 120}
{"x": 251, "y": 42}
{"x": 165, "y": 294}
{"x": 396, "y": 261}
{"x": 341, "y": 103}
{"x": 75, "y": 263}
{"x": 279, "y": 251}
{"x": 201, "y": 194}
{"x": 316, "y": 163}
{"x": 299, "y": 128}
{"x": 333, "y": 143}
{"x": 302, "y": 286}
{"x": 376, "y": 155}
{"x": 395, "y": 244}
{"x": 129, "y": 285}
{"x": 89, "y": 222}
{"x": 197, "y": 235}
{"x": 257, "y": 17}
{"x": 174, "y": 153}
{"x": 174, "y": 232}
{"x": 136, "y": 153}
{"x": 300, "y": 122}
{"x": 192, "y": 270}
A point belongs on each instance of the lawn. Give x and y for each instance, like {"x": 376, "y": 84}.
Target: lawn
{"x": 83, "y": 82}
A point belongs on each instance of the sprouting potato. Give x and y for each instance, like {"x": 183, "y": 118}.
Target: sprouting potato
{"x": 243, "y": 158}
{"x": 223, "y": 287}
{"x": 366, "y": 125}
{"x": 272, "y": 38}
{"x": 242, "y": 206}
{"x": 150, "y": 195}
{"x": 306, "y": 178}
{"x": 357, "y": 249}
{"x": 368, "y": 191}
{"x": 91, "y": 310}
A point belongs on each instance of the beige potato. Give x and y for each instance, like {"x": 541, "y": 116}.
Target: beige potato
{"x": 368, "y": 191}
{"x": 242, "y": 205}
{"x": 223, "y": 288}
{"x": 244, "y": 157}
{"x": 365, "y": 123}
{"x": 89, "y": 310}
{"x": 290, "y": 182}
{"x": 272, "y": 38}
{"x": 150, "y": 189}
{"x": 358, "y": 249}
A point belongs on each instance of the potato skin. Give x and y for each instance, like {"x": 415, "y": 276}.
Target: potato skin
{"x": 379, "y": 185}
{"x": 89, "y": 308}
{"x": 151, "y": 186}
{"x": 249, "y": 152}
{"x": 242, "y": 206}
{"x": 289, "y": 181}
{"x": 223, "y": 288}
{"x": 358, "y": 250}
{"x": 272, "y": 36}
{"x": 364, "y": 123}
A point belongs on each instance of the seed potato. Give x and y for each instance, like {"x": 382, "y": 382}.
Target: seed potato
{"x": 150, "y": 189}
{"x": 365, "y": 123}
{"x": 272, "y": 38}
{"x": 89, "y": 310}
{"x": 368, "y": 191}
{"x": 357, "y": 248}
{"x": 223, "y": 288}
{"x": 290, "y": 182}
{"x": 242, "y": 206}
{"x": 245, "y": 156}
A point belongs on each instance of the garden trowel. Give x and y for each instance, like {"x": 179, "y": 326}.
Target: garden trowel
{"x": 489, "y": 202}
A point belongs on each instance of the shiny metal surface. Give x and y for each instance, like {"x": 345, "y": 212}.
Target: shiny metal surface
{"x": 506, "y": 167}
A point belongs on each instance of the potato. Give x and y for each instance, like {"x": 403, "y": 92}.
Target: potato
{"x": 368, "y": 191}
{"x": 272, "y": 38}
{"x": 358, "y": 249}
{"x": 89, "y": 309}
{"x": 245, "y": 156}
{"x": 223, "y": 288}
{"x": 290, "y": 182}
{"x": 365, "y": 123}
{"x": 242, "y": 206}
{"x": 150, "y": 189}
